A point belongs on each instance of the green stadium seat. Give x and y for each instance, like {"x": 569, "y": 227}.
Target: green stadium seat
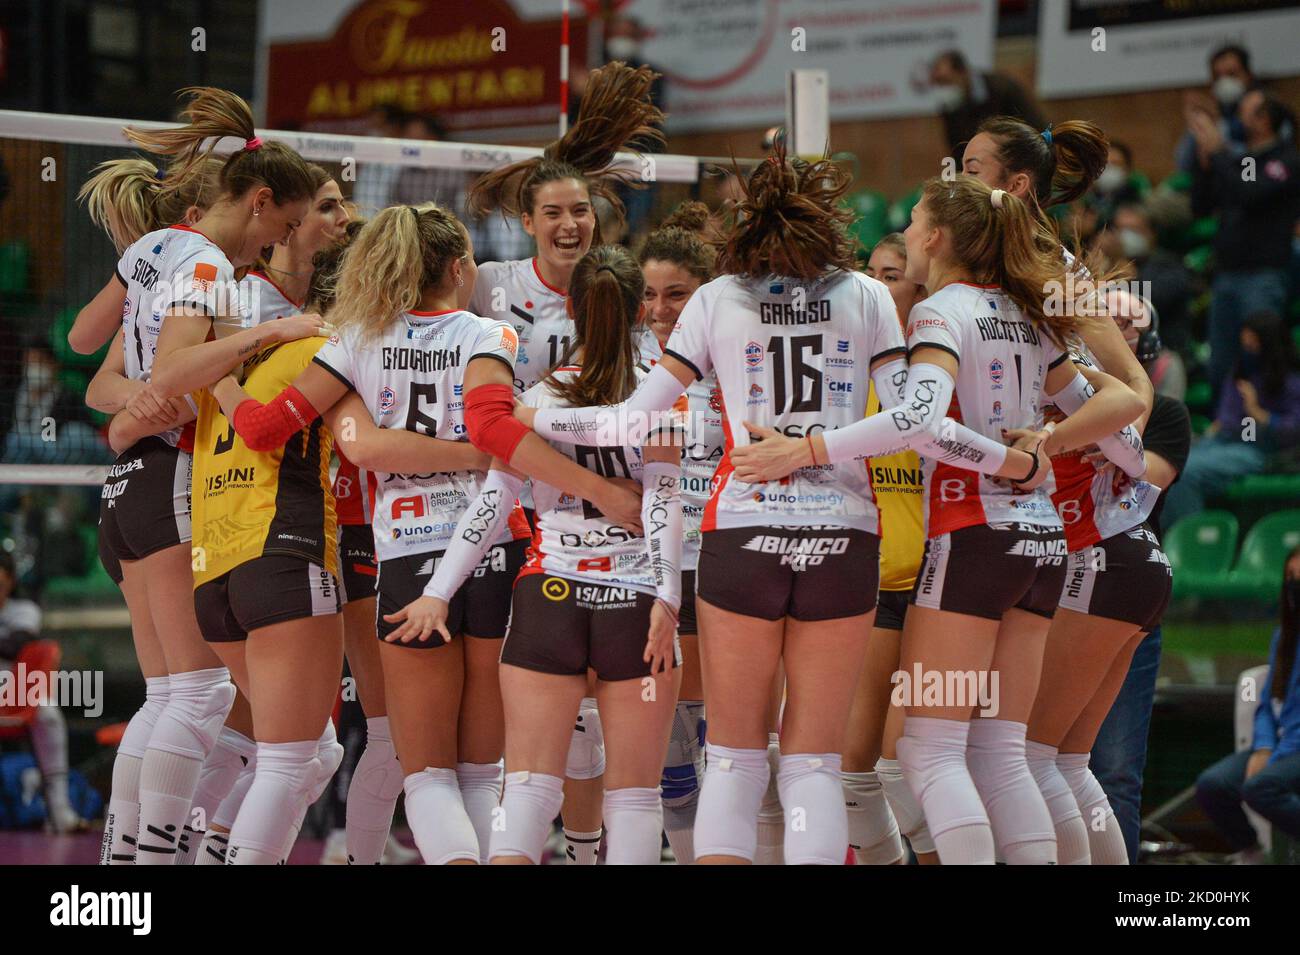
{"x": 63, "y": 352}
{"x": 900, "y": 212}
{"x": 13, "y": 268}
{"x": 1257, "y": 575}
{"x": 1200, "y": 548}
{"x": 1180, "y": 181}
{"x": 871, "y": 222}
{"x": 1284, "y": 488}
{"x": 1198, "y": 396}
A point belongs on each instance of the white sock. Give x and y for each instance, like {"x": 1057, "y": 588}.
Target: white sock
{"x": 122, "y": 818}
{"x": 1105, "y": 841}
{"x": 49, "y": 735}
{"x": 329, "y": 755}
{"x": 634, "y": 823}
{"x": 180, "y": 743}
{"x": 682, "y": 842}
{"x": 436, "y": 813}
{"x": 1071, "y": 833}
{"x": 529, "y": 804}
{"x": 232, "y": 753}
{"x": 284, "y": 775}
{"x": 372, "y": 795}
{"x": 873, "y": 831}
{"x": 1022, "y": 826}
{"x": 905, "y": 806}
{"x": 581, "y": 848}
{"x": 726, "y": 820}
{"x": 480, "y": 790}
{"x": 932, "y": 753}
{"x": 167, "y": 782}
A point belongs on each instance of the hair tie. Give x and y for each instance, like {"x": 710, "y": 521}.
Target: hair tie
{"x": 1047, "y": 134}
{"x": 415, "y": 212}
{"x": 253, "y": 144}
{"x": 996, "y": 198}
{"x": 160, "y": 174}
{"x": 607, "y": 268}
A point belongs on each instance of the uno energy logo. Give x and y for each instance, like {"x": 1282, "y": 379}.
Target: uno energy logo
{"x": 555, "y": 588}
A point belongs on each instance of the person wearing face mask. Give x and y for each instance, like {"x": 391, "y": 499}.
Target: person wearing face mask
{"x": 1115, "y": 185}
{"x": 967, "y": 98}
{"x": 1257, "y": 200}
{"x": 1259, "y": 414}
{"x": 1230, "y": 78}
{"x": 1265, "y": 777}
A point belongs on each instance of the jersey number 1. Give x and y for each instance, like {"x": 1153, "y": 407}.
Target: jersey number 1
{"x": 807, "y": 397}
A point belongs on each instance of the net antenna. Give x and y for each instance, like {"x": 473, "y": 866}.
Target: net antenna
{"x": 564, "y": 66}
{"x": 808, "y": 113}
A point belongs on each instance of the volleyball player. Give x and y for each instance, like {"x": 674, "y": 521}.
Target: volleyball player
{"x": 401, "y": 293}
{"x": 554, "y": 197}
{"x": 677, "y": 259}
{"x": 1118, "y": 583}
{"x": 592, "y": 596}
{"x": 263, "y": 192}
{"x": 877, "y": 798}
{"x": 776, "y": 576}
{"x": 984, "y": 345}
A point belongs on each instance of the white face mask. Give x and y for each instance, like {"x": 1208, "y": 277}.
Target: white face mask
{"x": 1228, "y": 90}
{"x": 1111, "y": 178}
{"x": 623, "y": 47}
{"x": 40, "y": 377}
{"x": 1134, "y": 244}
{"x": 948, "y": 97}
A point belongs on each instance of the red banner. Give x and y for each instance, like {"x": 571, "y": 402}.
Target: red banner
{"x": 474, "y": 65}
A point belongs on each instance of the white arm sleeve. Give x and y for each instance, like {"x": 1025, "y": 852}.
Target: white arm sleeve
{"x": 890, "y": 379}
{"x": 910, "y": 424}
{"x": 630, "y": 423}
{"x": 661, "y": 516}
{"x": 961, "y": 447}
{"x": 1124, "y": 448}
{"x": 475, "y": 532}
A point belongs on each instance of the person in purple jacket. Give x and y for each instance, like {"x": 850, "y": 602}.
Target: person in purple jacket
{"x": 1265, "y": 777}
{"x": 1258, "y": 416}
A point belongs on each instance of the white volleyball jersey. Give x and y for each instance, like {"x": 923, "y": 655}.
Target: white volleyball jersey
{"x": 573, "y": 539}
{"x": 412, "y": 376}
{"x": 173, "y": 268}
{"x": 1003, "y": 362}
{"x": 514, "y": 292}
{"x": 795, "y": 356}
{"x": 1096, "y": 505}
{"x": 263, "y": 301}
{"x": 705, "y": 443}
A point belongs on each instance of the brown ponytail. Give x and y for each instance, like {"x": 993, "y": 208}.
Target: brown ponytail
{"x": 1062, "y": 161}
{"x": 606, "y": 293}
{"x": 789, "y": 221}
{"x": 615, "y": 110}
{"x": 128, "y": 198}
{"x": 1013, "y": 248}
{"x": 212, "y": 114}
{"x": 685, "y": 240}
{"x": 396, "y": 256}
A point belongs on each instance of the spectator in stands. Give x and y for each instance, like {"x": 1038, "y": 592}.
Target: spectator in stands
{"x": 50, "y": 422}
{"x": 1265, "y": 777}
{"x": 1230, "y": 79}
{"x": 1259, "y": 414}
{"x": 375, "y": 180}
{"x": 1166, "y": 281}
{"x": 1257, "y": 203}
{"x": 968, "y": 98}
{"x": 1117, "y": 185}
{"x": 20, "y": 624}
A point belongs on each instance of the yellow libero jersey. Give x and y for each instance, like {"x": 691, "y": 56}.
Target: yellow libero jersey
{"x": 899, "y": 485}
{"x": 250, "y": 503}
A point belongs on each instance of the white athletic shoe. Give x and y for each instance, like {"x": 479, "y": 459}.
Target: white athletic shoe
{"x": 397, "y": 854}
{"x": 62, "y": 819}
{"x": 336, "y": 848}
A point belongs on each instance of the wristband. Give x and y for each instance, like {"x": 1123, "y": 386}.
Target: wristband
{"x": 1034, "y": 465}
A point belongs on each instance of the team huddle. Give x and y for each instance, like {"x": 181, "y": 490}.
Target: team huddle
{"x": 636, "y": 540}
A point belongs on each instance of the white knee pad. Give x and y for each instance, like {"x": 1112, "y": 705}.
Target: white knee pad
{"x": 726, "y": 819}
{"x": 683, "y": 767}
{"x": 196, "y": 708}
{"x": 1105, "y": 841}
{"x": 905, "y": 806}
{"x": 330, "y": 753}
{"x": 817, "y": 827}
{"x": 436, "y": 812}
{"x": 282, "y": 781}
{"x": 932, "y": 753}
{"x": 873, "y": 831}
{"x": 221, "y": 770}
{"x": 480, "y": 790}
{"x": 1071, "y": 834}
{"x": 587, "y": 747}
{"x": 529, "y": 805}
{"x": 1022, "y": 826}
{"x": 136, "y": 738}
{"x": 634, "y": 820}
